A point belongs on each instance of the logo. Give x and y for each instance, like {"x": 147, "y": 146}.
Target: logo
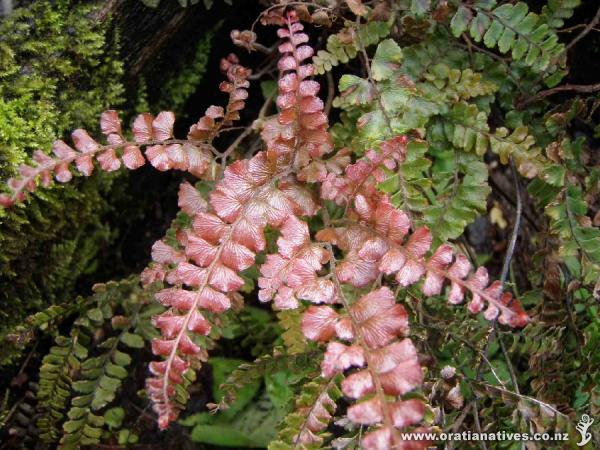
{"x": 584, "y": 424}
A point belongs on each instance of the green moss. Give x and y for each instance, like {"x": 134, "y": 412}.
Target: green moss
{"x": 59, "y": 68}
{"x": 58, "y": 71}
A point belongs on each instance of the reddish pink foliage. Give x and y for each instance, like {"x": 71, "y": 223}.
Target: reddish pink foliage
{"x": 226, "y": 233}
{"x": 366, "y": 338}
{"x": 215, "y": 117}
{"x": 379, "y": 242}
{"x": 154, "y": 133}
{"x": 291, "y": 274}
{"x": 362, "y": 176}
{"x": 387, "y": 362}
{"x": 299, "y": 133}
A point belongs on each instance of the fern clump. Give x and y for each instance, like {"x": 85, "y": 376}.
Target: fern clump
{"x": 435, "y": 174}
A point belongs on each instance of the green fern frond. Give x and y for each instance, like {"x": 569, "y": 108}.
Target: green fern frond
{"x": 466, "y": 128}
{"x": 510, "y": 28}
{"x": 305, "y": 427}
{"x": 255, "y": 371}
{"x": 407, "y": 186}
{"x": 293, "y": 338}
{"x": 450, "y": 194}
{"x": 568, "y": 214}
{"x": 557, "y": 11}
{"x": 452, "y": 85}
{"x": 59, "y": 368}
{"x": 345, "y": 45}
{"x": 461, "y": 196}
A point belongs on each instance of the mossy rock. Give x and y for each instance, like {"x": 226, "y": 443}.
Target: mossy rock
{"x": 58, "y": 69}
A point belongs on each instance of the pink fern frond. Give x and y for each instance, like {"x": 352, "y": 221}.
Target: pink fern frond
{"x": 163, "y": 151}
{"x": 225, "y": 235}
{"x": 216, "y": 117}
{"x": 299, "y": 131}
{"x": 383, "y": 362}
{"x": 379, "y": 242}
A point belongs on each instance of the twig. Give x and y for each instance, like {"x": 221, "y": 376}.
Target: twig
{"x": 477, "y": 423}
{"x": 505, "y": 270}
{"x": 585, "y": 31}
{"x": 511, "y": 370}
{"x": 576, "y": 27}
{"x": 470, "y": 45}
{"x": 330, "y": 93}
{"x": 513, "y": 203}
{"x": 581, "y": 88}
{"x": 515, "y": 232}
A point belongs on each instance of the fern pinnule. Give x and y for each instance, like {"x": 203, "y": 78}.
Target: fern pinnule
{"x": 291, "y": 274}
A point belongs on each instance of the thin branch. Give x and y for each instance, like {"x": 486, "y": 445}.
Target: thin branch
{"x": 330, "y": 93}
{"x": 576, "y": 27}
{"x": 585, "y": 31}
{"x": 580, "y": 88}
{"x": 513, "y": 203}
{"x": 478, "y": 423}
{"x": 515, "y": 232}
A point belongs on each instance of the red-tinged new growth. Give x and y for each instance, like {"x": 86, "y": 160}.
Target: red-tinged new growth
{"x": 291, "y": 274}
{"x": 367, "y": 341}
{"x": 223, "y": 241}
{"x": 217, "y": 117}
{"x": 378, "y": 240}
{"x": 155, "y": 133}
{"x": 299, "y": 132}
{"x": 227, "y": 232}
{"x": 162, "y": 150}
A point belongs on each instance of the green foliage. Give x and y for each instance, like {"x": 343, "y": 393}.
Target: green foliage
{"x": 466, "y": 184}
{"x": 267, "y": 365}
{"x": 510, "y": 28}
{"x": 448, "y": 188}
{"x": 83, "y": 371}
{"x": 260, "y": 402}
{"x": 59, "y": 366}
{"x": 557, "y": 11}
{"x": 567, "y": 214}
{"x": 176, "y": 91}
{"x": 292, "y": 336}
{"x": 345, "y": 45}
{"x": 312, "y": 393}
